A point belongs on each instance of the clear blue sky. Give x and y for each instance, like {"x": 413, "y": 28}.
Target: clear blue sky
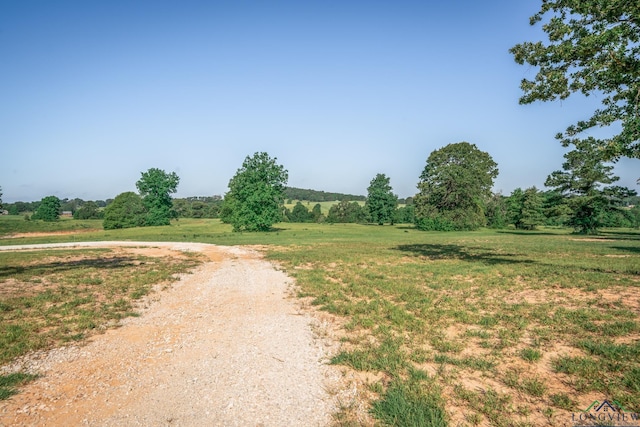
{"x": 94, "y": 93}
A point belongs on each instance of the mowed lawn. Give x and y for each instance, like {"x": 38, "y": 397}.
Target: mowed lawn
{"x": 493, "y": 327}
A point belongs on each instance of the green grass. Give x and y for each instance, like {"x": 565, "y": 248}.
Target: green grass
{"x": 16, "y": 224}
{"x": 464, "y": 304}
{"x": 412, "y": 402}
{"x": 530, "y": 354}
{"x": 561, "y": 400}
{"x": 9, "y": 383}
{"x": 496, "y": 407}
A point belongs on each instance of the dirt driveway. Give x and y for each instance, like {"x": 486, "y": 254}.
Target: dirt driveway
{"x": 224, "y": 346}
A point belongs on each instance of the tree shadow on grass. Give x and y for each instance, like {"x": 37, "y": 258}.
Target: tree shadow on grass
{"x": 407, "y": 227}
{"x": 464, "y": 253}
{"x": 620, "y": 235}
{"x": 528, "y": 233}
{"x": 60, "y": 267}
{"x": 632, "y": 249}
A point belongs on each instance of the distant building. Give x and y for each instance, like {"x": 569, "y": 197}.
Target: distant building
{"x": 67, "y": 214}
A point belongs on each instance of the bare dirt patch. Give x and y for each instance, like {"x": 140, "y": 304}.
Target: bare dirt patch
{"x": 226, "y": 345}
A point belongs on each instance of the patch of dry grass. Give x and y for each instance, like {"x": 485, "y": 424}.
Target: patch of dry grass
{"x": 509, "y": 328}
{"x": 55, "y": 296}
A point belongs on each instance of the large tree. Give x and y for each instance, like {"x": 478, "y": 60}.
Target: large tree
{"x": 155, "y": 187}
{"x": 381, "y": 202}
{"x": 127, "y": 210}
{"x": 453, "y": 188}
{"x": 581, "y": 183}
{"x": 405, "y": 214}
{"x": 71, "y": 205}
{"x": 525, "y": 208}
{"x": 316, "y": 213}
{"x": 593, "y": 48}
{"x": 496, "y": 211}
{"x": 48, "y": 210}
{"x": 255, "y": 200}
{"x": 89, "y": 210}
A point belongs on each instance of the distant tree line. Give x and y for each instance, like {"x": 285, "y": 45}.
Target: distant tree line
{"x": 188, "y": 207}
{"x": 68, "y": 205}
{"x": 523, "y": 210}
{"x": 292, "y": 193}
{"x": 345, "y": 212}
{"x": 454, "y": 193}
{"x": 51, "y": 207}
{"x": 301, "y": 213}
{"x": 592, "y": 47}
{"x": 198, "y": 207}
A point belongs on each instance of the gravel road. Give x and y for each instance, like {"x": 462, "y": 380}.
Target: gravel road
{"x": 223, "y": 346}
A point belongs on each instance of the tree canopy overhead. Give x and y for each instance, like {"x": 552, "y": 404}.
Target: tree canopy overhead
{"x": 593, "y": 48}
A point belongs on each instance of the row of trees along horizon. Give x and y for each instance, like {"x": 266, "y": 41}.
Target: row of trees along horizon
{"x": 454, "y": 194}
{"x": 592, "y": 48}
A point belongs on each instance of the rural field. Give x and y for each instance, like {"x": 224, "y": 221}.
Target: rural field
{"x": 491, "y": 327}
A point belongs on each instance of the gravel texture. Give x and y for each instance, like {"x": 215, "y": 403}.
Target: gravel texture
{"x": 223, "y": 346}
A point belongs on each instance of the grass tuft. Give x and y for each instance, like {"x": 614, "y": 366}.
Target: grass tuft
{"x": 562, "y": 401}
{"x": 9, "y": 382}
{"x": 530, "y": 354}
{"x": 412, "y": 402}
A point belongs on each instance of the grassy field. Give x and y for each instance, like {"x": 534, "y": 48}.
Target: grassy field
{"x": 16, "y": 224}
{"x": 498, "y": 328}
